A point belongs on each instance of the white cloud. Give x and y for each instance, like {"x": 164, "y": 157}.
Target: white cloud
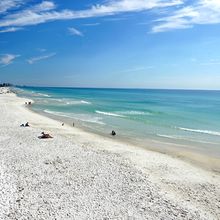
{"x": 11, "y": 29}
{"x": 91, "y": 24}
{"x": 36, "y": 59}
{"x": 44, "y": 6}
{"x": 117, "y": 6}
{"x": 35, "y": 15}
{"x": 7, "y": 59}
{"x": 203, "y": 12}
{"x": 137, "y": 69}
{"x": 186, "y": 15}
{"x": 6, "y": 5}
{"x": 116, "y": 19}
{"x": 74, "y": 31}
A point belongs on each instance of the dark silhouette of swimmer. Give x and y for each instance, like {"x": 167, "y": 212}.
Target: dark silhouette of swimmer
{"x": 113, "y": 133}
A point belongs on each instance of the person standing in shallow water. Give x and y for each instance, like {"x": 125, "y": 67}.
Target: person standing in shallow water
{"x": 113, "y": 133}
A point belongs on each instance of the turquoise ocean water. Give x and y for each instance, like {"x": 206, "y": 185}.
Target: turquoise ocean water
{"x": 180, "y": 117}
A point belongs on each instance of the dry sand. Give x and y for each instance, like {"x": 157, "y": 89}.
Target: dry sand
{"x": 77, "y": 175}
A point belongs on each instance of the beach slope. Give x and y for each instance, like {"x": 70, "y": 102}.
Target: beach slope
{"x": 77, "y": 175}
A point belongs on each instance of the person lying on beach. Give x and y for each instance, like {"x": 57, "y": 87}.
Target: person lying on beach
{"x": 43, "y": 136}
{"x": 25, "y": 125}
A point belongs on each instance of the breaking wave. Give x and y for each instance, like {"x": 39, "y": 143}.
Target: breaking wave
{"x": 132, "y": 112}
{"x": 109, "y": 114}
{"x": 76, "y": 102}
{"x": 80, "y": 117}
{"x": 216, "y": 133}
{"x": 40, "y": 94}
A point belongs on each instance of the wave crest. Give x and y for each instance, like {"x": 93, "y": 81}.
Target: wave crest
{"x": 216, "y": 133}
{"x": 109, "y": 114}
{"x": 80, "y": 117}
{"x": 76, "y": 102}
{"x": 40, "y": 94}
{"x": 133, "y": 112}
{"x": 168, "y": 136}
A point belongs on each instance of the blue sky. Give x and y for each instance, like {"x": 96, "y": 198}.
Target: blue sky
{"x": 111, "y": 43}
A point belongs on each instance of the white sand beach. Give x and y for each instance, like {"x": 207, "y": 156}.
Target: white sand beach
{"x": 78, "y": 175}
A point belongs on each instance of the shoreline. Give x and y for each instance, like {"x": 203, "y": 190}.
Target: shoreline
{"x": 79, "y": 175}
{"x": 184, "y": 153}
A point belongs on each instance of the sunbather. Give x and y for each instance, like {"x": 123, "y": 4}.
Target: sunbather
{"x": 45, "y": 136}
{"x": 25, "y": 125}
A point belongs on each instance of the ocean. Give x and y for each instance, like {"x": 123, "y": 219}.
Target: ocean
{"x": 182, "y": 118}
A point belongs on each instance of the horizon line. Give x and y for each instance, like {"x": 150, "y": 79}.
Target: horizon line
{"x": 122, "y": 88}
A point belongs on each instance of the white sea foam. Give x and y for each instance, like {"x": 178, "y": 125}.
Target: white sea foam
{"x": 40, "y": 94}
{"x": 55, "y": 113}
{"x": 109, "y": 114}
{"x": 68, "y": 102}
{"x": 48, "y": 101}
{"x": 81, "y": 117}
{"x": 132, "y": 112}
{"x": 51, "y": 99}
{"x": 216, "y": 133}
{"x": 168, "y": 136}
{"x": 186, "y": 139}
{"x": 72, "y": 102}
{"x": 76, "y": 102}
{"x": 85, "y": 102}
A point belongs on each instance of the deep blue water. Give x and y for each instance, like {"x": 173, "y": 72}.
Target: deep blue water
{"x": 174, "y": 116}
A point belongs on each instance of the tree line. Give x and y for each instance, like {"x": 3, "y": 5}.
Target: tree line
{"x": 5, "y": 84}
